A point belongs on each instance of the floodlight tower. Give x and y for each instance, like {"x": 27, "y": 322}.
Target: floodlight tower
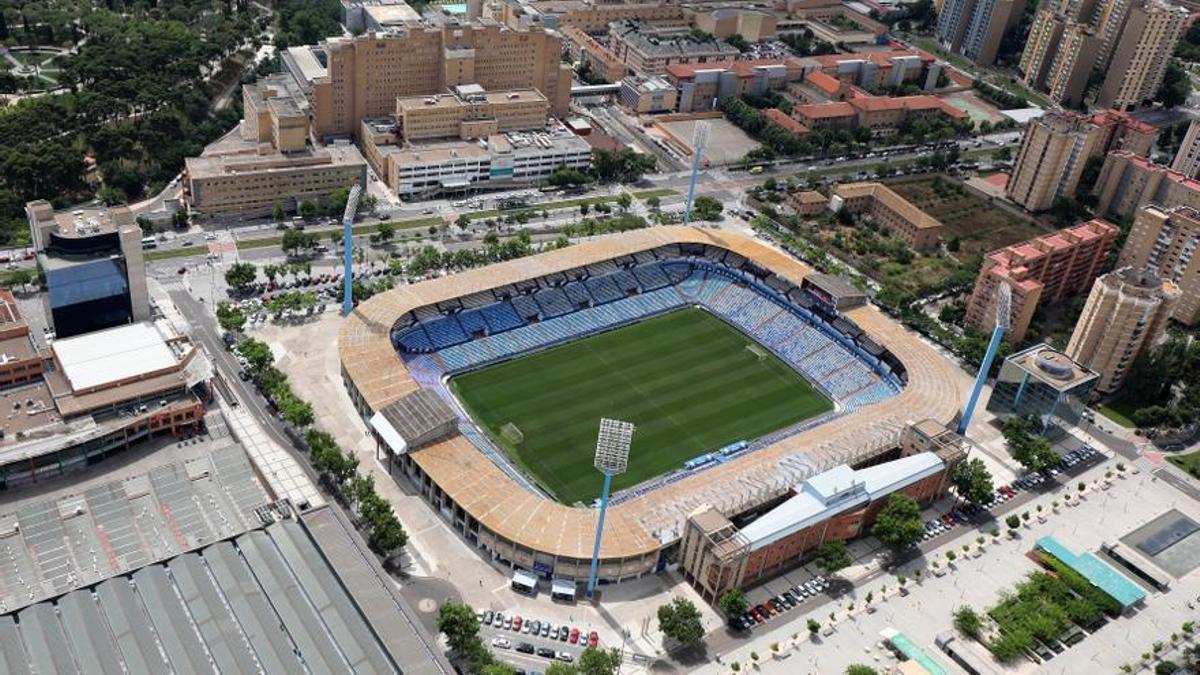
{"x": 348, "y": 249}
{"x": 1003, "y": 318}
{"x": 612, "y": 456}
{"x": 699, "y": 140}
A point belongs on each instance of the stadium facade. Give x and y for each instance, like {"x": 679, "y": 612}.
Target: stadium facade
{"x": 410, "y": 339}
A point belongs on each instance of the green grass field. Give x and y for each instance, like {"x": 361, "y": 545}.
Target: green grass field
{"x": 686, "y": 379}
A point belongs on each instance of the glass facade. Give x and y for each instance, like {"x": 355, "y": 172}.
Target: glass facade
{"x": 88, "y": 295}
{"x": 1044, "y": 383}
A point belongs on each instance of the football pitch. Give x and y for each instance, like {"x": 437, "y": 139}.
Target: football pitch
{"x": 689, "y": 381}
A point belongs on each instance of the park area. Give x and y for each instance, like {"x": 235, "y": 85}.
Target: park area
{"x": 689, "y": 382}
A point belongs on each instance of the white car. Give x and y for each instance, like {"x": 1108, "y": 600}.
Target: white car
{"x": 501, "y": 643}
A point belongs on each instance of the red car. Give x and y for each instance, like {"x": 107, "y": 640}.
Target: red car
{"x": 593, "y": 639}
{"x": 517, "y": 624}
{"x": 574, "y": 635}
{"x": 758, "y": 617}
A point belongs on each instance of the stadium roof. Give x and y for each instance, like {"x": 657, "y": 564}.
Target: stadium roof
{"x": 1100, "y": 574}
{"x": 112, "y": 355}
{"x": 414, "y": 419}
{"x": 266, "y": 601}
{"x": 836, "y": 491}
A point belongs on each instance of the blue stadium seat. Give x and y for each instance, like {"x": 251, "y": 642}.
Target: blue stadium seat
{"x": 472, "y": 321}
{"x": 444, "y": 332}
{"x": 526, "y": 306}
{"x": 553, "y": 302}
{"x": 577, "y": 293}
{"x": 501, "y": 316}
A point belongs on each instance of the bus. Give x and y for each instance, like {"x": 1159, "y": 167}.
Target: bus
{"x": 149, "y": 242}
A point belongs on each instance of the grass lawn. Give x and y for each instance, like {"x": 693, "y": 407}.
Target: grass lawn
{"x": 657, "y": 192}
{"x": 323, "y": 234}
{"x": 686, "y": 379}
{"x": 1120, "y": 412}
{"x": 1189, "y": 462}
{"x": 186, "y": 252}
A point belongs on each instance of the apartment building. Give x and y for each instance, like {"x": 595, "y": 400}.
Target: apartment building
{"x": 876, "y": 71}
{"x": 1141, "y": 54}
{"x": 702, "y": 85}
{"x": 93, "y": 265}
{"x": 1057, "y": 146}
{"x": 1165, "y": 239}
{"x": 1128, "y": 182}
{"x": 974, "y": 28}
{"x": 349, "y": 79}
{"x": 648, "y": 51}
{"x": 1042, "y": 270}
{"x": 889, "y": 210}
{"x": 1187, "y": 159}
{"x": 1125, "y": 316}
{"x": 468, "y": 112}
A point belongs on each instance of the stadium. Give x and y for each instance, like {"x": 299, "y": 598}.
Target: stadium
{"x": 744, "y": 378}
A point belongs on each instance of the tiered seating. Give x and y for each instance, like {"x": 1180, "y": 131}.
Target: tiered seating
{"x": 690, "y": 287}
{"x": 677, "y": 271}
{"x": 625, "y": 281}
{"x": 501, "y": 316}
{"x": 466, "y": 355}
{"x": 577, "y": 294}
{"x": 472, "y": 321}
{"x": 445, "y": 332}
{"x": 727, "y": 302}
{"x": 604, "y": 289}
{"x": 426, "y": 313}
{"x": 651, "y": 276}
{"x": 553, "y": 302}
{"x": 526, "y": 306}
{"x": 872, "y": 394}
{"x": 477, "y": 300}
{"x": 753, "y": 313}
{"x": 415, "y": 341}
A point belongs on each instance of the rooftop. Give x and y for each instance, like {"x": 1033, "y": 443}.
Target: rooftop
{"x": 820, "y": 111}
{"x": 1099, "y": 573}
{"x": 828, "y": 84}
{"x": 646, "y": 38}
{"x": 113, "y": 355}
{"x": 386, "y": 15}
{"x": 889, "y": 198}
{"x": 746, "y": 68}
{"x": 1052, "y": 367}
{"x": 780, "y": 118}
{"x": 882, "y": 59}
{"x": 247, "y": 160}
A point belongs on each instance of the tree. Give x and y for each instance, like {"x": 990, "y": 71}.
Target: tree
{"x": 458, "y": 623}
{"x": 680, "y": 621}
{"x": 463, "y": 222}
{"x": 899, "y": 523}
{"x": 738, "y": 42}
{"x": 240, "y": 275}
{"x": 295, "y": 241}
{"x": 621, "y": 166}
{"x": 387, "y": 534}
{"x": 595, "y": 661}
{"x": 1176, "y": 86}
{"x": 1013, "y": 521}
{"x": 277, "y": 214}
{"x": 257, "y": 354}
{"x": 707, "y": 208}
{"x": 733, "y": 603}
{"x": 972, "y": 481}
{"x": 967, "y": 621}
{"x": 387, "y": 231}
{"x": 813, "y": 626}
{"x": 860, "y": 669}
{"x": 230, "y": 318}
{"x": 653, "y": 203}
{"x": 20, "y": 278}
{"x": 1033, "y": 452}
{"x": 498, "y": 668}
{"x": 624, "y": 201}
{"x": 833, "y": 556}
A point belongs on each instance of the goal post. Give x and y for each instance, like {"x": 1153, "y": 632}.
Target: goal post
{"x": 758, "y": 352}
{"x": 511, "y": 433}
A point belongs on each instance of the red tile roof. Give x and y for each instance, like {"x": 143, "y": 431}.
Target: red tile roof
{"x": 920, "y": 102}
{"x": 826, "y": 83}
{"x": 685, "y": 71}
{"x": 824, "y": 111}
{"x": 780, "y": 118}
{"x": 881, "y": 59}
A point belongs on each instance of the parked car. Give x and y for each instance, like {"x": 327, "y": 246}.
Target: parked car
{"x": 546, "y": 652}
{"x": 525, "y": 648}
{"x": 574, "y": 635}
{"x": 501, "y": 643}
{"x": 593, "y": 639}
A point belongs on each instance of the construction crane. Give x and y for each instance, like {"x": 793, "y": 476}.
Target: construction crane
{"x": 1003, "y": 319}
{"x": 348, "y": 249}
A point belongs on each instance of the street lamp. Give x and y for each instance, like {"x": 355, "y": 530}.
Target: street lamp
{"x": 699, "y": 140}
{"x": 612, "y": 457}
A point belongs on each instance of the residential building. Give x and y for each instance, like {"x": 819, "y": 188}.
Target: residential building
{"x": 20, "y": 358}
{"x": 645, "y": 96}
{"x": 1128, "y": 182}
{"x": 1057, "y": 146}
{"x": 702, "y": 85}
{"x": 349, "y": 79}
{"x": 840, "y": 504}
{"x": 1042, "y": 270}
{"x": 1059, "y": 56}
{"x": 1108, "y": 18}
{"x": 93, "y": 265}
{"x": 889, "y": 210}
{"x": 1043, "y": 383}
{"x": 1041, "y": 46}
{"x": 1125, "y": 316}
{"x": 974, "y": 28}
{"x": 1165, "y": 239}
{"x": 648, "y": 51}
{"x": 468, "y": 112}
{"x": 1141, "y": 54}
{"x": 1187, "y": 159}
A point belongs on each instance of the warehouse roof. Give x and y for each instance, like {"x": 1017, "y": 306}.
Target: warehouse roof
{"x": 113, "y": 355}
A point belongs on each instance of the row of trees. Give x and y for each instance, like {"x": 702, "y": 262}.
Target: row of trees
{"x": 1026, "y": 445}
{"x": 1165, "y": 384}
{"x": 338, "y": 468}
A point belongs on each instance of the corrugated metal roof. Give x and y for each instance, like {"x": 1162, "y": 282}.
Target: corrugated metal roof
{"x": 90, "y": 640}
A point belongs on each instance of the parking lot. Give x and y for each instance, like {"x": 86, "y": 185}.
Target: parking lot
{"x": 532, "y": 644}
